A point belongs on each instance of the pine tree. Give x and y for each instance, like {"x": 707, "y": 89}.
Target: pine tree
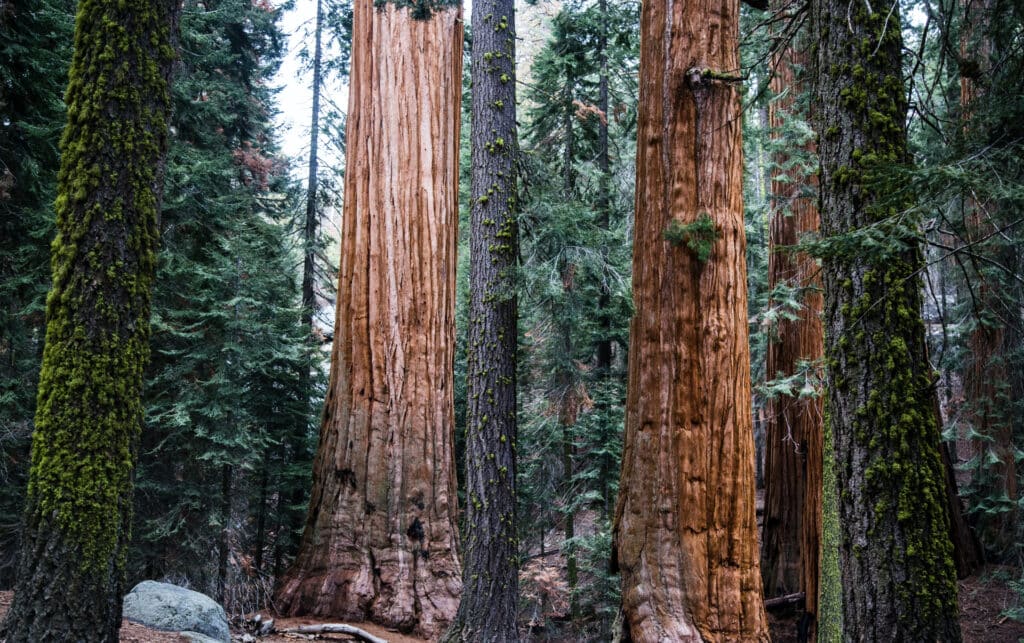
{"x": 488, "y": 608}
{"x": 89, "y": 413}
{"x": 224, "y": 399}
{"x": 574, "y": 297}
{"x": 899, "y": 582}
{"x": 685, "y": 531}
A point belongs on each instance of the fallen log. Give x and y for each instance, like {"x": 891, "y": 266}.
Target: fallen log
{"x": 782, "y": 602}
{"x": 333, "y": 628}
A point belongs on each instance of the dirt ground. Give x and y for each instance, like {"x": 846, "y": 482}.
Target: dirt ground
{"x": 983, "y": 598}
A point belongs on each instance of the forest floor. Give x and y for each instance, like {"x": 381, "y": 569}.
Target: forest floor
{"x": 983, "y": 599}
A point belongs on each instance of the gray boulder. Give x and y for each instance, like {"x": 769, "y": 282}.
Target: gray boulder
{"x": 168, "y": 607}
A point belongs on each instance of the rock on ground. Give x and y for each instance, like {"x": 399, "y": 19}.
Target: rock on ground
{"x": 176, "y": 609}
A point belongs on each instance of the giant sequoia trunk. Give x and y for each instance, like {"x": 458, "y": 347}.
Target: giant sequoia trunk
{"x": 792, "y": 507}
{"x": 89, "y": 413}
{"x": 487, "y": 613}
{"x": 987, "y": 379}
{"x": 685, "y": 531}
{"x": 380, "y": 539}
{"x": 899, "y": 582}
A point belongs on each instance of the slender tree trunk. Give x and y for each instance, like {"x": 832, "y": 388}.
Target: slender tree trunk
{"x": 685, "y": 529}
{"x": 89, "y": 413}
{"x": 792, "y": 508}
{"x": 312, "y": 218}
{"x": 604, "y": 205}
{"x": 488, "y": 609}
{"x": 224, "y": 545}
{"x": 294, "y": 493}
{"x": 899, "y": 581}
{"x": 261, "y": 513}
{"x": 380, "y": 540}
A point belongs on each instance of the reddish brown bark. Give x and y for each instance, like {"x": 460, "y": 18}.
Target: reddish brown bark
{"x": 380, "y": 539}
{"x": 685, "y": 531}
{"x": 986, "y": 380}
{"x": 793, "y": 456}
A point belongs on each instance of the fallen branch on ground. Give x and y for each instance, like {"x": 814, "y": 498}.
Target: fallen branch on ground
{"x": 333, "y": 628}
{"x": 789, "y": 600}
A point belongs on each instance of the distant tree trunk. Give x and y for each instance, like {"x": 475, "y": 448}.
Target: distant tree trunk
{"x": 261, "y": 513}
{"x": 792, "y": 507}
{"x": 685, "y": 530}
{"x": 986, "y": 379}
{"x": 89, "y": 414}
{"x": 899, "y": 582}
{"x": 292, "y": 496}
{"x": 380, "y": 541}
{"x": 487, "y": 613}
{"x": 604, "y": 205}
{"x": 311, "y": 223}
{"x": 224, "y": 543}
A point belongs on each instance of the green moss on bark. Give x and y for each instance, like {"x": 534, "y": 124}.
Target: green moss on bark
{"x": 89, "y": 411}
{"x": 895, "y": 555}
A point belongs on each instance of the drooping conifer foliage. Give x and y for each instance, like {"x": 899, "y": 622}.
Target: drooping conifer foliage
{"x": 578, "y": 155}
{"x": 79, "y": 504}
{"x": 33, "y": 74}
{"x": 898, "y": 577}
{"x": 228, "y": 410}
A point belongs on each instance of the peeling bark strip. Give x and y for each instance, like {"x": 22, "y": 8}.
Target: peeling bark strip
{"x": 899, "y": 582}
{"x": 793, "y": 460}
{"x": 685, "y": 531}
{"x": 380, "y": 541}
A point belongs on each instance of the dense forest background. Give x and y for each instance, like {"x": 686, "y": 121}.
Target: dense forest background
{"x": 243, "y": 298}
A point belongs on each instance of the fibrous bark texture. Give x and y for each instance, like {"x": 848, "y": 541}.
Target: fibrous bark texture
{"x": 380, "y": 541}
{"x": 89, "y": 411}
{"x": 899, "y": 582}
{"x": 488, "y": 609}
{"x": 986, "y": 379}
{"x": 792, "y": 508}
{"x": 685, "y": 530}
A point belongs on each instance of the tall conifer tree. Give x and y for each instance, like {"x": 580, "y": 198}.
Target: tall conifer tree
{"x": 487, "y": 611}
{"x": 381, "y": 531}
{"x": 685, "y": 530}
{"x": 89, "y": 414}
{"x": 899, "y": 581}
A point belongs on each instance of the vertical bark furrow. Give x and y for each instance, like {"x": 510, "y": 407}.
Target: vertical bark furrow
{"x": 685, "y": 530}
{"x": 793, "y": 456}
{"x": 381, "y": 537}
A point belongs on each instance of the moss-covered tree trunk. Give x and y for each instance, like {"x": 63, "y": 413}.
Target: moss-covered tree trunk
{"x": 685, "y": 531}
{"x": 899, "y": 582}
{"x": 89, "y": 412}
{"x": 488, "y": 609}
{"x": 380, "y": 541}
{"x": 792, "y": 507}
